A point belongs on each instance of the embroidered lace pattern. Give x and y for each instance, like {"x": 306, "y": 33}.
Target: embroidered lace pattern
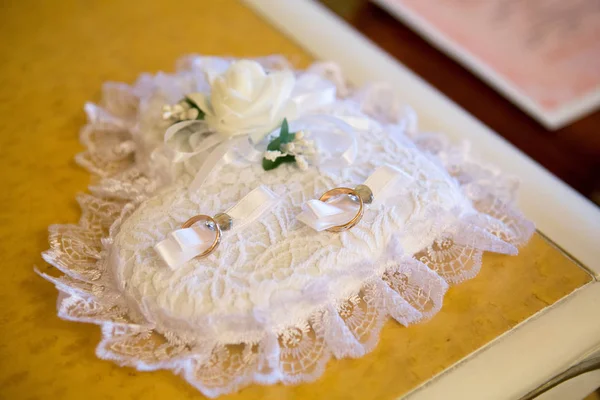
{"x": 275, "y": 302}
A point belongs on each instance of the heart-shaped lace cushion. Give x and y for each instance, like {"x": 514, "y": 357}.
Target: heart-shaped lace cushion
{"x": 277, "y": 271}
{"x": 277, "y": 300}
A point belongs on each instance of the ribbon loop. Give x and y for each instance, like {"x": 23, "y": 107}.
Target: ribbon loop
{"x": 181, "y": 245}
{"x": 321, "y": 215}
{"x": 386, "y": 183}
{"x": 189, "y": 138}
{"x": 312, "y": 92}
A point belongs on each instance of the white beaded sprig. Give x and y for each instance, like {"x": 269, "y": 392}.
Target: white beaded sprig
{"x": 300, "y": 148}
{"x": 181, "y": 111}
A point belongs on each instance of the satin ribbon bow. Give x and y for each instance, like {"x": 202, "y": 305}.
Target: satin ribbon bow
{"x": 321, "y": 215}
{"x": 184, "y": 244}
{"x": 334, "y": 136}
{"x": 386, "y": 184}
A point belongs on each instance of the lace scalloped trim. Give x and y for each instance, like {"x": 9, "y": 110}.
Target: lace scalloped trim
{"x": 410, "y": 290}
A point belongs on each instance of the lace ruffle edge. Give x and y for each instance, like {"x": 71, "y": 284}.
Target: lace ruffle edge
{"x": 410, "y": 290}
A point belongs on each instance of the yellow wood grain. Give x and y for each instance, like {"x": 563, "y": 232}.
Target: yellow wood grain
{"x": 54, "y": 56}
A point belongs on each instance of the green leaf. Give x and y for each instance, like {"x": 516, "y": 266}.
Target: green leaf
{"x": 274, "y": 145}
{"x": 201, "y": 113}
{"x": 284, "y": 132}
{"x": 269, "y": 165}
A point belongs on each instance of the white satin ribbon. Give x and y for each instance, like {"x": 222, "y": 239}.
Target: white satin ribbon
{"x": 321, "y": 215}
{"x": 184, "y": 244}
{"x": 387, "y": 183}
{"x": 312, "y": 92}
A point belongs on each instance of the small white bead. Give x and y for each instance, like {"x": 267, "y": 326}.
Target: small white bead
{"x": 192, "y": 113}
{"x": 273, "y": 155}
{"x": 290, "y": 147}
{"x": 302, "y": 163}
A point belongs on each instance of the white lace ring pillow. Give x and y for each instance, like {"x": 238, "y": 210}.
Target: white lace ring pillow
{"x": 276, "y": 299}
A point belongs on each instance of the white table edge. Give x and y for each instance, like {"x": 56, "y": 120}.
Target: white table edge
{"x": 526, "y": 356}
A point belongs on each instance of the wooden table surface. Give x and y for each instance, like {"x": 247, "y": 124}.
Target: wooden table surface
{"x": 572, "y": 153}
{"x": 55, "y": 56}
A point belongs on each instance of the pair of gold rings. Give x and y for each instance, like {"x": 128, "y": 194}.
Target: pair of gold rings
{"x": 223, "y": 222}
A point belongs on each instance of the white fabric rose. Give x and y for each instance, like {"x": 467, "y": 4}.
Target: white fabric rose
{"x": 245, "y": 100}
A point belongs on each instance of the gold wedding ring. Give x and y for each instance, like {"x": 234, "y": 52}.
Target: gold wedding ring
{"x": 212, "y": 224}
{"x": 354, "y": 195}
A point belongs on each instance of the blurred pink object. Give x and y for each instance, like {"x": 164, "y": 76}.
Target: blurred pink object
{"x": 542, "y": 54}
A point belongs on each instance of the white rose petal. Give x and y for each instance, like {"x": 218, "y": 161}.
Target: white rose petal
{"x": 245, "y": 100}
